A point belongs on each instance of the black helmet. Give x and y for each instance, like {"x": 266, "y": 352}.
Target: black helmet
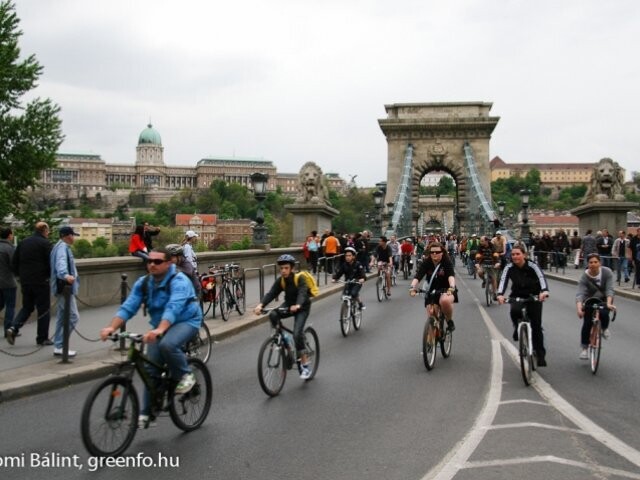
{"x": 174, "y": 249}
{"x": 286, "y": 258}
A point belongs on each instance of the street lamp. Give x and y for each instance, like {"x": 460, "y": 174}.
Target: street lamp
{"x": 378, "y": 198}
{"x": 259, "y": 183}
{"x": 524, "y": 230}
{"x": 390, "y": 211}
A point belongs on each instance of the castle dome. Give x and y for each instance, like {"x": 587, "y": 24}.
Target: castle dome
{"x": 149, "y": 136}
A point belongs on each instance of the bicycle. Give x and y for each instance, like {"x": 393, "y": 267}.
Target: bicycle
{"x": 109, "y": 419}
{"x": 471, "y": 266}
{"x": 278, "y": 354}
{"x": 231, "y": 291}
{"x": 435, "y": 331}
{"x": 201, "y": 344}
{"x": 382, "y": 286}
{"x": 406, "y": 266}
{"x": 489, "y": 291}
{"x": 595, "y": 337}
{"x": 209, "y": 295}
{"x": 525, "y": 339}
{"x": 350, "y": 312}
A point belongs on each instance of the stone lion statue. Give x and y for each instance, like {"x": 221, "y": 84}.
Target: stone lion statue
{"x": 607, "y": 182}
{"x": 312, "y": 187}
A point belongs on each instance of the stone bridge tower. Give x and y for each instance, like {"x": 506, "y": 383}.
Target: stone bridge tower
{"x": 438, "y": 132}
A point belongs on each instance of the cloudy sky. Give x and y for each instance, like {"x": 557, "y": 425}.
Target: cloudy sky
{"x": 306, "y": 80}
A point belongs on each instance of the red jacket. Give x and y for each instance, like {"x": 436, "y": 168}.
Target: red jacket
{"x": 136, "y": 243}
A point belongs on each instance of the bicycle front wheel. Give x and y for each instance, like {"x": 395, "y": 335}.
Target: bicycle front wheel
{"x": 241, "y": 300}
{"x": 526, "y": 357}
{"x": 110, "y": 417}
{"x": 189, "y": 410}
{"x": 380, "y": 292}
{"x": 595, "y": 345}
{"x": 226, "y": 302}
{"x": 357, "y": 317}
{"x": 345, "y": 318}
{"x": 272, "y": 370}
{"x": 312, "y": 346}
{"x": 446, "y": 342}
{"x": 429, "y": 344}
{"x": 200, "y": 346}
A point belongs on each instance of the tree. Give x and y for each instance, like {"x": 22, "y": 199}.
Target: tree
{"x": 30, "y": 133}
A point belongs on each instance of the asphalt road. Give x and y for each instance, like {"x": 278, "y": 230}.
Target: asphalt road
{"x": 373, "y": 411}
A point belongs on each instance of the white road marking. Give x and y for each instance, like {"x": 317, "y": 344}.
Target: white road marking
{"x": 536, "y": 425}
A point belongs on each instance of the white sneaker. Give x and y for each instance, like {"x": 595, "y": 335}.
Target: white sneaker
{"x": 584, "y": 355}
{"x": 185, "y": 384}
{"x": 144, "y": 422}
{"x": 606, "y": 334}
{"x": 58, "y": 352}
{"x": 305, "y": 372}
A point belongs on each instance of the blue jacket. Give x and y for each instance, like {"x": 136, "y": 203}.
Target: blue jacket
{"x": 62, "y": 264}
{"x": 175, "y": 303}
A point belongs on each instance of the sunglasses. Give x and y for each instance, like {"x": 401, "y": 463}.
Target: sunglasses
{"x": 156, "y": 261}
{"x": 435, "y": 252}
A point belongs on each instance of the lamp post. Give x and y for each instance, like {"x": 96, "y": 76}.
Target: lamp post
{"x": 524, "y": 230}
{"x": 390, "y": 211}
{"x": 501, "y": 218}
{"x": 259, "y": 183}
{"x": 378, "y": 198}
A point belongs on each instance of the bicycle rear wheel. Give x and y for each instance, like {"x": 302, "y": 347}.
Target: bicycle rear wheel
{"x": 240, "y": 298}
{"x": 345, "y": 318}
{"x": 201, "y": 344}
{"x": 189, "y": 410}
{"x": 526, "y": 357}
{"x": 380, "y": 291}
{"x": 595, "y": 345}
{"x": 429, "y": 344}
{"x": 488, "y": 287}
{"x": 272, "y": 370}
{"x": 312, "y": 346}
{"x": 110, "y": 417}
{"x": 226, "y": 302}
{"x": 405, "y": 270}
{"x": 356, "y": 316}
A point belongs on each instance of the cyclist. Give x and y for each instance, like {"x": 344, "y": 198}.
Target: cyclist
{"x": 499, "y": 243}
{"x": 175, "y": 317}
{"x": 526, "y": 279}
{"x": 395, "y": 251}
{"x": 486, "y": 256}
{"x": 596, "y": 281}
{"x": 296, "y": 299}
{"x": 183, "y": 265}
{"x": 384, "y": 257}
{"x": 352, "y": 270}
{"x": 439, "y": 269}
{"x": 406, "y": 248}
{"x": 472, "y": 248}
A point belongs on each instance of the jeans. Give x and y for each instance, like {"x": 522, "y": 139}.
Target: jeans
{"x": 585, "y": 332}
{"x": 168, "y": 350}
{"x": 298, "y": 324}
{"x": 73, "y": 319}
{"x": 8, "y": 302}
{"x": 622, "y": 266}
{"x": 38, "y": 297}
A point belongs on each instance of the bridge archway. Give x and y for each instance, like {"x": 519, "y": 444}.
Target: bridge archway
{"x": 437, "y": 134}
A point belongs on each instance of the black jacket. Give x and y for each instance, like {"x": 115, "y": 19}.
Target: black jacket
{"x": 351, "y": 271}
{"x": 292, "y": 295}
{"x": 31, "y": 260}
{"x": 441, "y": 280}
{"x": 526, "y": 280}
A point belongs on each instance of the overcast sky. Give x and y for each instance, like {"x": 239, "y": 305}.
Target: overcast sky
{"x": 299, "y": 80}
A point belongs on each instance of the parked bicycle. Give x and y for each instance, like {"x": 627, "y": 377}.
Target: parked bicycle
{"x": 210, "y": 293}
{"x": 278, "y": 355}
{"x": 595, "y": 337}
{"x": 231, "y": 291}
{"x": 435, "y": 330}
{"x": 109, "y": 419}
{"x": 525, "y": 339}
{"x": 350, "y": 311}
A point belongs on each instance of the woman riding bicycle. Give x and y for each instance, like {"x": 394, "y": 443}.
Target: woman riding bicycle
{"x": 526, "y": 279}
{"x": 296, "y": 300}
{"x": 439, "y": 270}
{"x": 596, "y": 281}
{"x": 352, "y": 270}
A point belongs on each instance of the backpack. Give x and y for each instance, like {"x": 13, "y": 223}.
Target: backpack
{"x": 309, "y": 280}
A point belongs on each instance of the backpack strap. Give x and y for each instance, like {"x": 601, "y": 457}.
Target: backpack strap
{"x": 145, "y": 290}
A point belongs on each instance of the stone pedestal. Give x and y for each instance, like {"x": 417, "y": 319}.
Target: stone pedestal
{"x": 309, "y": 217}
{"x": 610, "y": 214}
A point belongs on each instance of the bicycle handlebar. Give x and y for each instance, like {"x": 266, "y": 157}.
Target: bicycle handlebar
{"x": 134, "y": 337}
{"x": 529, "y": 299}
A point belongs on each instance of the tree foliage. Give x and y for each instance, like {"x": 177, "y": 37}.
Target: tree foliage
{"x": 30, "y": 133}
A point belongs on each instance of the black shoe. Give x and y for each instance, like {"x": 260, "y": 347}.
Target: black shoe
{"x": 515, "y": 334}
{"x": 45, "y": 343}
{"x": 542, "y": 362}
{"x": 450, "y": 325}
{"x": 10, "y": 335}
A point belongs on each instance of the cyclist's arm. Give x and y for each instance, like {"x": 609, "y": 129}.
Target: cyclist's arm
{"x": 153, "y": 334}
{"x": 116, "y": 323}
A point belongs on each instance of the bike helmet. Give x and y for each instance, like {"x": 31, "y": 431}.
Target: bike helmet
{"x": 350, "y": 249}
{"x": 174, "y": 249}
{"x": 286, "y": 258}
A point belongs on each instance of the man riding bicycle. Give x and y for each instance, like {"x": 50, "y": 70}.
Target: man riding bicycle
{"x": 297, "y": 302}
{"x": 406, "y": 249}
{"x": 175, "y": 318}
{"x": 352, "y": 270}
{"x": 487, "y": 258}
{"x": 384, "y": 257}
{"x": 439, "y": 270}
{"x": 394, "y": 244}
{"x": 526, "y": 279}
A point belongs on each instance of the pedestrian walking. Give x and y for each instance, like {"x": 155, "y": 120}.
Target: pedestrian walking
{"x": 8, "y": 286}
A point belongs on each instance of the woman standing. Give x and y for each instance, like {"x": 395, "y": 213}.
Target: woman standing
{"x": 187, "y": 248}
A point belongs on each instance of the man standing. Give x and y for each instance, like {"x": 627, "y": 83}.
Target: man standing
{"x": 8, "y": 285}
{"x": 31, "y": 265}
{"x": 634, "y": 246}
{"x": 330, "y": 248}
{"x": 63, "y": 267}
{"x": 604, "y": 244}
{"x": 619, "y": 253}
{"x": 149, "y": 232}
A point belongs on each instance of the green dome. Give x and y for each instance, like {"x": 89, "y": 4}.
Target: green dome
{"x": 149, "y": 136}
